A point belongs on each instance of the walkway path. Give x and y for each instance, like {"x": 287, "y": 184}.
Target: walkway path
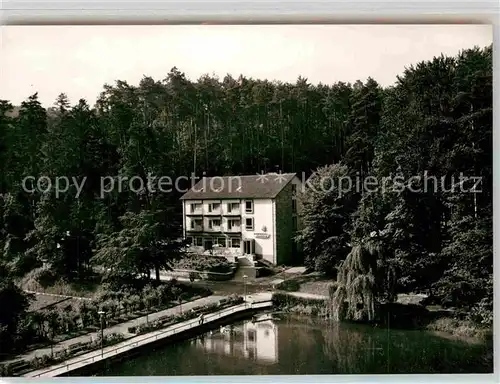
{"x": 118, "y": 328}
{"x": 305, "y": 295}
{"x": 260, "y": 301}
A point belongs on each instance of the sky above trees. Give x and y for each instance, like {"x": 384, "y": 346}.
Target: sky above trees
{"x": 79, "y": 60}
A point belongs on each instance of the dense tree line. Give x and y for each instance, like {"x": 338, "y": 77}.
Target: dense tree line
{"x": 436, "y": 118}
{"x": 430, "y": 228}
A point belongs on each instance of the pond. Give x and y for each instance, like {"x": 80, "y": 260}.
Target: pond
{"x": 305, "y": 346}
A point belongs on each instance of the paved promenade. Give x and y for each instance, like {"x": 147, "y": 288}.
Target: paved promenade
{"x": 118, "y": 328}
{"x": 305, "y": 295}
{"x": 259, "y": 300}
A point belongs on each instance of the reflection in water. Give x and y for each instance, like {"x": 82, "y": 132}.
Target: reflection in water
{"x": 254, "y": 341}
{"x": 307, "y": 347}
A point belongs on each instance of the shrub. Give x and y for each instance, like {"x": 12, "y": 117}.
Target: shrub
{"x": 203, "y": 263}
{"x": 209, "y": 308}
{"x": 282, "y": 299}
{"x": 62, "y": 354}
{"x": 144, "y": 328}
{"x": 289, "y": 285}
{"x": 163, "y": 293}
{"x": 6, "y": 370}
{"x": 457, "y": 327}
{"x": 84, "y": 313}
{"x": 42, "y": 361}
{"x": 166, "y": 319}
{"x": 482, "y": 313}
{"x": 113, "y": 338}
{"x": 150, "y": 299}
{"x": 41, "y": 277}
{"x": 184, "y": 316}
{"x": 111, "y": 307}
{"x": 135, "y": 302}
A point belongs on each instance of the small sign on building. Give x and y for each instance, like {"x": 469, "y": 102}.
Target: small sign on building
{"x": 262, "y": 235}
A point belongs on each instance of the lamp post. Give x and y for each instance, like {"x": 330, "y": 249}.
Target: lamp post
{"x": 180, "y": 303}
{"x": 245, "y": 277}
{"x": 215, "y": 249}
{"x": 52, "y": 343}
{"x": 101, "y": 314}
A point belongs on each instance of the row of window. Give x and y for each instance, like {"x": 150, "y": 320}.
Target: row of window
{"x": 216, "y": 223}
{"x": 231, "y": 207}
{"x": 210, "y": 242}
{"x": 234, "y": 242}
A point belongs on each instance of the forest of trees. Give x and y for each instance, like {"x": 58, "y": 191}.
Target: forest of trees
{"x": 436, "y": 118}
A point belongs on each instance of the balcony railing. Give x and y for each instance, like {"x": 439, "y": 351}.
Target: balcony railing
{"x": 214, "y": 228}
{"x": 216, "y": 212}
{"x": 234, "y": 228}
{"x": 197, "y": 226}
{"x": 195, "y": 211}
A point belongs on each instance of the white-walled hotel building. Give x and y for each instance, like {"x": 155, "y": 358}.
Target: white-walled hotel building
{"x": 253, "y": 216}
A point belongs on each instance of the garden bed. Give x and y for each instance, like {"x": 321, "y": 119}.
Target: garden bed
{"x": 76, "y": 349}
{"x": 197, "y": 275}
{"x": 170, "y": 320}
{"x": 20, "y": 367}
{"x": 204, "y": 264}
{"x": 76, "y": 318}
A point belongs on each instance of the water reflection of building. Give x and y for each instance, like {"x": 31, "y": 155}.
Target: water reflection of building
{"x": 255, "y": 341}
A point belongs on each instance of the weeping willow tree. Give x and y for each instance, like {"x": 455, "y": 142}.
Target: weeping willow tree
{"x": 366, "y": 278}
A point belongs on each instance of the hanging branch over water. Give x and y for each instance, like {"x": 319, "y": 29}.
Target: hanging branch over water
{"x": 365, "y": 279}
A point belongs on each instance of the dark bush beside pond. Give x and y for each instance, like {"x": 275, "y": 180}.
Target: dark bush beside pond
{"x": 282, "y": 299}
{"x": 289, "y": 285}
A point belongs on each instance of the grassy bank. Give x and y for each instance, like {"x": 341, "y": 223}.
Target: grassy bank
{"x": 460, "y": 328}
{"x": 300, "y": 305}
{"x": 36, "y": 281}
{"x": 313, "y": 283}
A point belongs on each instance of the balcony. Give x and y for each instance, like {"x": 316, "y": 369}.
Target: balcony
{"x": 194, "y": 209}
{"x": 213, "y": 228}
{"x": 232, "y": 209}
{"x": 194, "y": 225}
{"x": 212, "y": 225}
{"x": 231, "y": 225}
{"x": 234, "y": 228}
{"x": 213, "y": 209}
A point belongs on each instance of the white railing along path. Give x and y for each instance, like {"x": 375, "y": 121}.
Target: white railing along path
{"x": 103, "y": 354}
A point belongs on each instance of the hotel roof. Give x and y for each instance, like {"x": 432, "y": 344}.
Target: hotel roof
{"x": 260, "y": 186}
